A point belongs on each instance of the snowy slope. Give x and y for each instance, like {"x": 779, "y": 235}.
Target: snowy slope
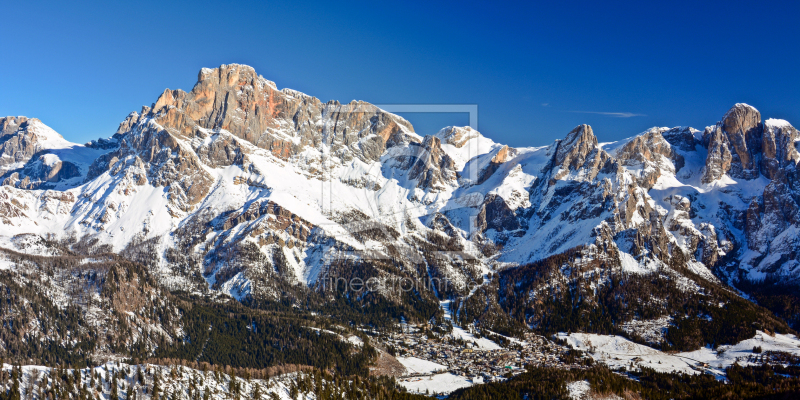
{"x": 36, "y": 379}
{"x": 618, "y": 352}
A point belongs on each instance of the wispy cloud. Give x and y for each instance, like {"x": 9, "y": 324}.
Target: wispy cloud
{"x": 545, "y": 104}
{"x": 611, "y": 114}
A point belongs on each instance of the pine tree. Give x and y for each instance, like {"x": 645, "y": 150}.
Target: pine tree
{"x": 114, "y": 393}
{"x": 232, "y": 385}
{"x": 156, "y": 386}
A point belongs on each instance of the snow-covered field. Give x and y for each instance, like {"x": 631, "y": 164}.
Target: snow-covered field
{"x": 725, "y": 356}
{"x": 618, "y": 352}
{"x": 416, "y": 365}
{"x": 435, "y": 384}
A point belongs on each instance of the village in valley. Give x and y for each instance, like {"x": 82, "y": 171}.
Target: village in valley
{"x": 437, "y": 361}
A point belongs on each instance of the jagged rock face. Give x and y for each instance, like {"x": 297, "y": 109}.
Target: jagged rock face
{"x": 503, "y": 155}
{"x": 770, "y": 215}
{"x": 281, "y": 219}
{"x": 10, "y": 125}
{"x": 681, "y": 138}
{"x": 27, "y": 154}
{"x": 20, "y": 139}
{"x": 168, "y": 163}
{"x": 742, "y": 124}
{"x": 234, "y": 98}
{"x": 495, "y": 214}
{"x": 778, "y": 148}
{"x": 46, "y": 168}
{"x": 459, "y": 136}
{"x": 223, "y": 151}
{"x": 734, "y": 144}
{"x": 432, "y": 168}
{"x": 572, "y": 152}
{"x": 578, "y": 152}
{"x": 582, "y": 187}
{"x": 652, "y": 153}
{"x": 719, "y": 158}
{"x": 427, "y": 164}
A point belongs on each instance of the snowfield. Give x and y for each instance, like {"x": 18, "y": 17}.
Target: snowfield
{"x": 618, "y": 352}
{"x": 416, "y": 365}
{"x": 435, "y": 384}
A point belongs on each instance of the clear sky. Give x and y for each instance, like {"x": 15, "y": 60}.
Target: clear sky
{"x": 535, "y": 69}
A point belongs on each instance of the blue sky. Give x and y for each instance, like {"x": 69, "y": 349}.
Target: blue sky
{"x": 535, "y": 69}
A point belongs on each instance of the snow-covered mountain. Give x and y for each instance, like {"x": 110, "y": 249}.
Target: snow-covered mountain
{"x": 240, "y": 188}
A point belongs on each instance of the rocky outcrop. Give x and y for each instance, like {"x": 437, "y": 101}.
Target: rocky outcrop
{"x": 168, "y": 163}
{"x": 21, "y": 138}
{"x": 27, "y": 154}
{"x": 47, "y": 168}
{"x": 778, "y": 148}
{"x": 718, "y": 162}
{"x": 10, "y": 125}
{"x": 650, "y": 155}
{"x": 682, "y": 138}
{"x": 458, "y": 136}
{"x": 504, "y": 154}
{"x": 220, "y": 150}
{"x": 770, "y": 215}
{"x": 428, "y": 164}
{"x": 574, "y": 149}
{"x": 234, "y": 98}
{"x": 279, "y": 219}
{"x": 578, "y": 151}
{"x": 496, "y": 214}
{"x": 742, "y": 124}
{"x": 734, "y": 144}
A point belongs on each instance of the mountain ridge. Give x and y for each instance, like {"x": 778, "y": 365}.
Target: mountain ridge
{"x": 236, "y": 190}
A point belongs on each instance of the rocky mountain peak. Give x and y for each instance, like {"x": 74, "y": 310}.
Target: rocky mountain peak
{"x": 734, "y": 144}
{"x": 574, "y": 148}
{"x": 778, "y": 149}
{"x": 652, "y": 154}
{"x": 33, "y": 155}
{"x": 457, "y": 136}
{"x": 22, "y": 137}
{"x": 681, "y": 137}
{"x": 230, "y": 74}
{"x": 9, "y": 125}
{"x": 236, "y": 99}
{"x": 741, "y": 118}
